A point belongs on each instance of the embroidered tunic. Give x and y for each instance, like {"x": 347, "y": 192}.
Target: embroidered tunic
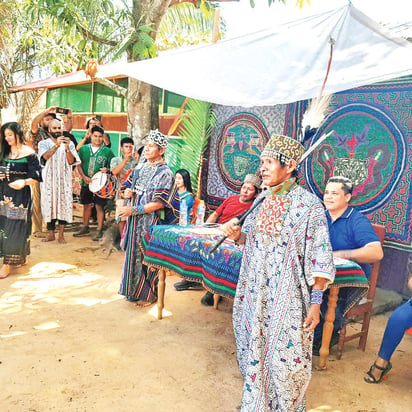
{"x": 172, "y": 208}
{"x": 149, "y": 184}
{"x": 15, "y": 208}
{"x": 287, "y": 245}
{"x": 56, "y": 188}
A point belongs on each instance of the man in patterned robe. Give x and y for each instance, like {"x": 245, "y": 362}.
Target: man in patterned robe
{"x": 59, "y": 155}
{"x": 39, "y": 131}
{"x": 148, "y": 189}
{"x": 286, "y": 266}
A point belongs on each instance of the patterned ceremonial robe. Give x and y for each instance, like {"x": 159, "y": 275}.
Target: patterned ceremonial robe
{"x": 149, "y": 184}
{"x": 287, "y": 245}
{"x": 56, "y": 188}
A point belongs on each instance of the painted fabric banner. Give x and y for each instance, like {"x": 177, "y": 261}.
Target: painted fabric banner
{"x": 235, "y": 146}
{"x": 371, "y": 144}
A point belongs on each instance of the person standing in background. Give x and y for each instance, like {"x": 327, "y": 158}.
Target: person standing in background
{"x": 120, "y": 166}
{"x": 58, "y": 154}
{"x": 39, "y": 131}
{"x": 95, "y": 157}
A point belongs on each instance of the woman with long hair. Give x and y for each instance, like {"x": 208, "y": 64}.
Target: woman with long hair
{"x": 182, "y": 189}
{"x": 19, "y": 168}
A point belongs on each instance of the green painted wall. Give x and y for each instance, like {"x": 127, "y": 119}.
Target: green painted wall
{"x": 105, "y": 100}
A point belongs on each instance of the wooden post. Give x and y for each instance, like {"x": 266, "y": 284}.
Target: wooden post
{"x": 161, "y": 294}
{"x": 215, "y": 37}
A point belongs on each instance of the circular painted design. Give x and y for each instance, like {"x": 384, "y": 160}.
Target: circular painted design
{"x": 243, "y": 138}
{"x": 366, "y": 146}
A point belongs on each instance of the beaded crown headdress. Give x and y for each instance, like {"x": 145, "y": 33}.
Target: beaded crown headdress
{"x": 157, "y": 137}
{"x": 283, "y": 148}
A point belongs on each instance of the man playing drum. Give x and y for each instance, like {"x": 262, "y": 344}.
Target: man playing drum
{"x": 95, "y": 158}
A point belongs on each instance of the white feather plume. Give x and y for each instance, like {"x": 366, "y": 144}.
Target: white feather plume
{"x": 316, "y": 113}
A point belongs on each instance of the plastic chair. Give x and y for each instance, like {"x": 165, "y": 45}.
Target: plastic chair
{"x": 364, "y": 309}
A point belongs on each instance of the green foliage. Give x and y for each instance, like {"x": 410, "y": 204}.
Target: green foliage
{"x": 65, "y": 34}
{"x": 197, "y": 123}
{"x": 185, "y": 24}
{"x": 299, "y": 3}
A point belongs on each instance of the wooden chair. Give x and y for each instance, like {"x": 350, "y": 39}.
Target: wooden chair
{"x": 363, "y": 310}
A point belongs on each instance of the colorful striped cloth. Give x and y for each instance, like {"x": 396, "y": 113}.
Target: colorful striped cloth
{"x": 185, "y": 251}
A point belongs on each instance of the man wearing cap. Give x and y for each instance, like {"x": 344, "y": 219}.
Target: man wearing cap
{"x": 231, "y": 207}
{"x": 40, "y": 126}
{"x": 39, "y": 131}
{"x": 286, "y": 266}
{"x": 148, "y": 189}
{"x": 237, "y": 204}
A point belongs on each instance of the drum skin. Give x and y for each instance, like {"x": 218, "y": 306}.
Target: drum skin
{"x": 103, "y": 185}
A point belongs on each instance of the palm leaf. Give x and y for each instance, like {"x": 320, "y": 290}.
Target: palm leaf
{"x": 185, "y": 24}
{"x": 197, "y": 121}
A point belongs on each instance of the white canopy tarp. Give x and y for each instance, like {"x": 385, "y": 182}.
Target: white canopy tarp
{"x": 281, "y": 65}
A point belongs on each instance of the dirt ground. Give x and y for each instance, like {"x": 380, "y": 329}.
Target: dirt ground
{"x": 68, "y": 342}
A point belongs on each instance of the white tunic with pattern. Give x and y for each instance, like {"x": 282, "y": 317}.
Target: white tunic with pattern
{"x": 56, "y": 188}
{"x": 272, "y": 299}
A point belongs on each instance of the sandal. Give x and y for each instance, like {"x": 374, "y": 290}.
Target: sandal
{"x": 384, "y": 373}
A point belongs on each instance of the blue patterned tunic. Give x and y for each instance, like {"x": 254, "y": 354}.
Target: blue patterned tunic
{"x": 272, "y": 299}
{"x": 149, "y": 184}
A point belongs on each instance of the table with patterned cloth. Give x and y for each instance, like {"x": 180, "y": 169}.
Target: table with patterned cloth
{"x": 186, "y": 252}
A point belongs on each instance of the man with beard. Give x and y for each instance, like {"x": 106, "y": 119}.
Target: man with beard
{"x": 39, "y": 131}
{"x": 58, "y": 154}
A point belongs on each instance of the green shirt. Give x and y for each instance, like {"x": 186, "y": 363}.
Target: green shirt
{"x": 93, "y": 162}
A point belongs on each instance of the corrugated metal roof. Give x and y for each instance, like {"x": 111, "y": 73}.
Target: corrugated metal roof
{"x": 70, "y": 79}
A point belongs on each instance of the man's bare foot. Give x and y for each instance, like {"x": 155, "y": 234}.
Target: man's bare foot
{"x": 39, "y": 234}
{"x": 4, "y": 271}
{"x": 62, "y": 240}
{"x": 143, "y": 304}
{"x": 49, "y": 239}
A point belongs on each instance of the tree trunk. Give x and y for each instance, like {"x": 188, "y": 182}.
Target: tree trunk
{"x": 143, "y": 102}
{"x": 139, "y": 105}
